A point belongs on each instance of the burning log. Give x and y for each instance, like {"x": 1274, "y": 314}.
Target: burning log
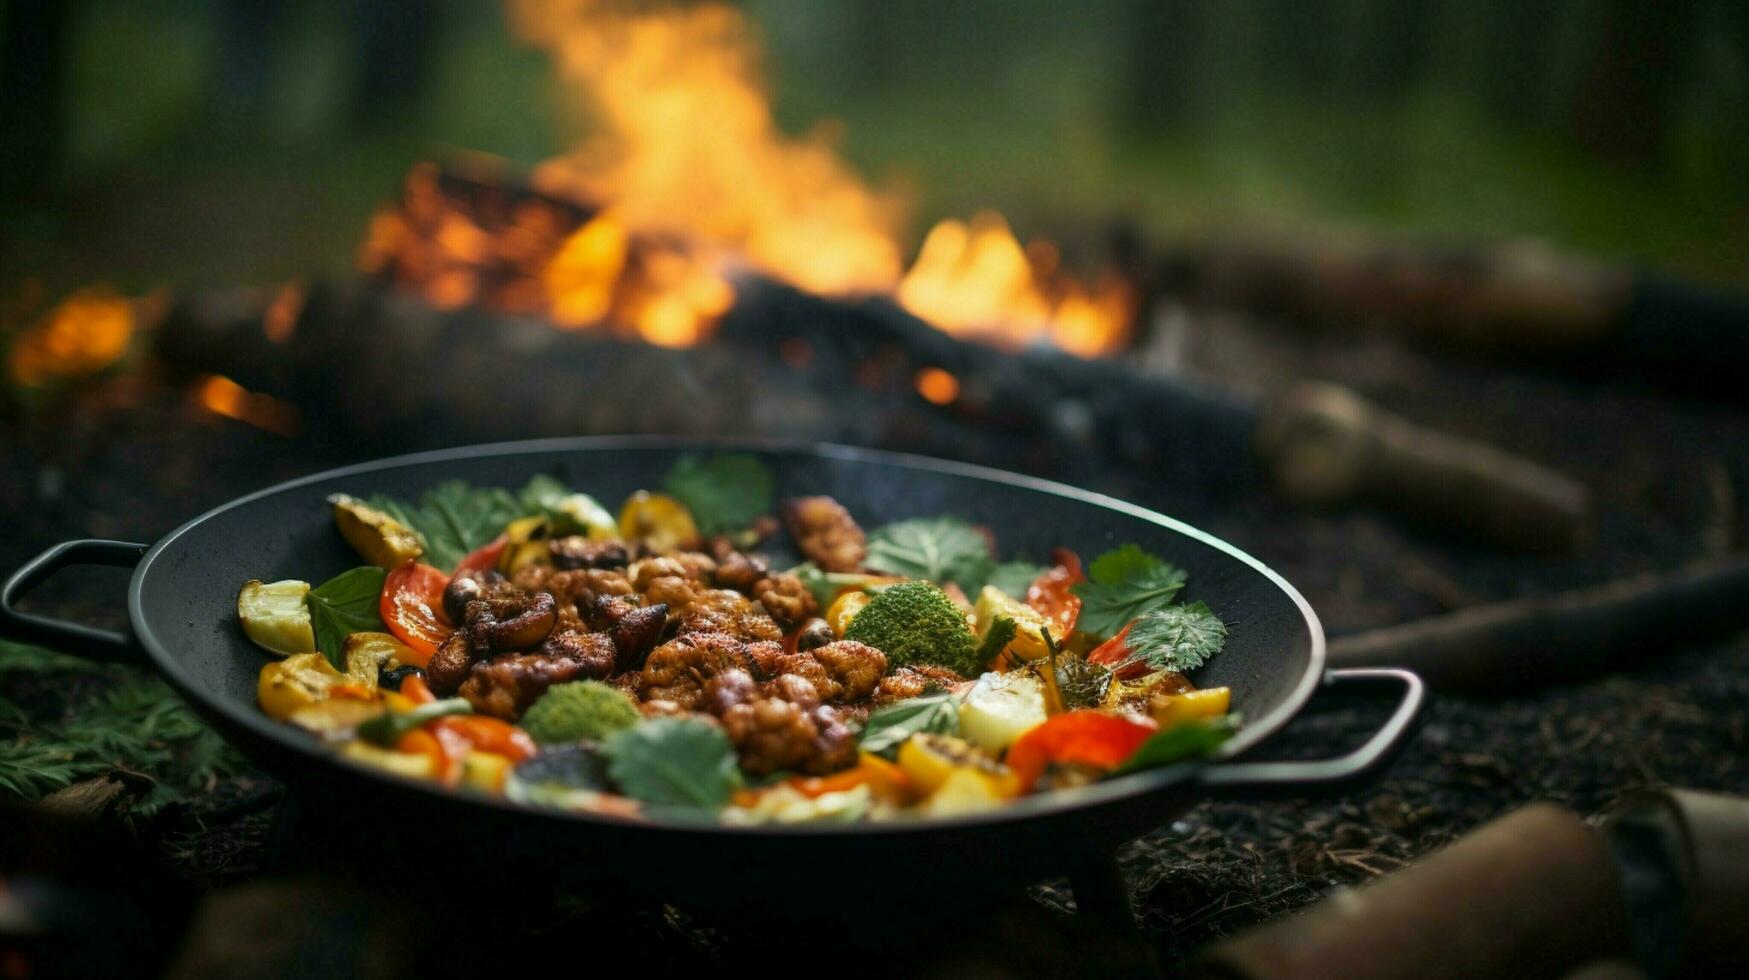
{"x": 1535, "y": 893}
{"x": 388, "y": 368}
{"x": 1509, "y": 647}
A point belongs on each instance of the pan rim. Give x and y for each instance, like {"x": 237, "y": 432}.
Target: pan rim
{"x": 1159, "y": 782}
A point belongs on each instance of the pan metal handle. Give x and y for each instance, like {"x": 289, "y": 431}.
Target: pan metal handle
{"x": 85, "y": 641}
{"x": 1297, "y": 778}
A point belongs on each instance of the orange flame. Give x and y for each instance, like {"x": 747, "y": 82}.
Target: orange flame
{"x": 85, "y": 333}
{"x": 222, "y": 396}
{"x": 693, "y": 175}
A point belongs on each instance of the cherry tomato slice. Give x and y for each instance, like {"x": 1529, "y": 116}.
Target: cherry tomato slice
{"x": 1049, "y": 594}
{"x": 415, "y": 690}
{"x": 482, "y": 558}
{"x": 1085, "y": 737}
{"x": 1117, "y": 651}
{"x": 412, "y": 606}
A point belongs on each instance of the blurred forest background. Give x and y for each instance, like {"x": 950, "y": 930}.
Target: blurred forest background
{"x": 204, "y": 141}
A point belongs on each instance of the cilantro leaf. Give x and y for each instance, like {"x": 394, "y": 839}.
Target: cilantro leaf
{"x": 1122, "y": 584}
{"x": 1190, "y": 740}
{"x": 453, "y": 518}
{"x": 725, "y": 492}
{"x": 887, "y": 728}
{"x": 1015, "y": 577}
{"x": 935, "y": 549}
{"x": 1178, "y": 638}
{"x": 684, "y": 764}
{"x": 343, "y": 605}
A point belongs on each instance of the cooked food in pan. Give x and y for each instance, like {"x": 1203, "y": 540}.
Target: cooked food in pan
{"x": 656, "y": 662}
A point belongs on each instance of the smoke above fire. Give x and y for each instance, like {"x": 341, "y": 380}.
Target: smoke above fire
{"x": 684, "y": 177}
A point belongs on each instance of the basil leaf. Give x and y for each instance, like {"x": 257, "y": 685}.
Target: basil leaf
{"x": 1190, "y": 740}
{"x": 569, "y": 512}
{"x": 453, "y": 518}
{"x": 887, "y": 728}
{"x": 343, "y": 605}
{"x": 678, "y": 763}
{"x": 1015, "y": 577}
{"x": 725, "y": 492}
{"x": 1179, "y": 638}
{"x": 935, "y": 549}
{"x": 1121, "y": 585}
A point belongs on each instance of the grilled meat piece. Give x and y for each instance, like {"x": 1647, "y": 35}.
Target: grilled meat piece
{"x": 723, "y": 611}
{"x": 450, "y": 664}
{"x": 785, "y": 597}
{"x": 635, "y": 634}
{"x": 856, "y": 667}
{"x": 793, "y": 688}
{"x": 826, "y": 533}
{"x": 577, "y": 551}
{"x": 739, "y": 571}
{"x": 677, "y": 670}
{"x": 912, "y": 681}
{"x": 814, "y": 633}
{"x": 518, "y": 622}
{"x": 506, "y": 685}
{"x": 729, "y": 688}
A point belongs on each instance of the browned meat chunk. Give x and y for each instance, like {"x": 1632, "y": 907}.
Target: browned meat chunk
{"x": 576, "y": 552}
{"x": 740, "y": 571}
{"x": 673, "y": 591}
{"x": 785, "y": 597}
{"x": 506, "y": 685}
{"x": 814, "y": 634}
{"x": 856, "y": 667}
{"x": 912, "y": 681}
{"x": 449, "y": 666}
{"x": 677, "y": 670}
{"x": 806, "y": 667}
{"x": 765, "y": 655}
{"x": 722, "y": 611}
{"x": 727, "y": 689}
{"x": 635, "y": 634}
{"x": 511, "y": 623}
{"x": 826, "y": 533}
{"x": 794, "y": 688}
{"x": 772, "y": 734}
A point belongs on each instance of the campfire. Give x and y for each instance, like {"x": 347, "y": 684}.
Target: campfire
{"x": 685, "y": 185}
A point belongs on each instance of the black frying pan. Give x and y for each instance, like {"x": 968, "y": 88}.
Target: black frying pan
{"x": 182, "y": 613}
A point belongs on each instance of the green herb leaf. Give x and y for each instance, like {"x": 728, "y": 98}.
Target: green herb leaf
{"x": 453, "y": 518}
{"x": 887, "y": 728}
{"x": 1121, "y": 585}
{"x": 569, "y": 512}
{"x": 1180, "y": 638}
{"x": 387, "y": 728}
{"x": 827, "y": 585}
{"x": 1190, "y": 740}
{"x": 1001, "y": 634}
{"x": 678, "y": 763}
{"x": 1015, "y": 577}
{"x": 540, "y": 493}
{"x": 343, "y": 605}
{"x": 935, "y": 549}
{"x": 725, "y": 492}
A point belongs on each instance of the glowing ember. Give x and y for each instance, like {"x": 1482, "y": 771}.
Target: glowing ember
{"x": 87, "y": 332}
{"x": 685, "y": 174}
{"x": 937, "y": 386}
{"x": 222, "y": 396}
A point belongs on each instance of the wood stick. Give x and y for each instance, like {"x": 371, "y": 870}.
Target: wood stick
{"x": 1509, "y": 647}
{"x": 1532, "y": 894}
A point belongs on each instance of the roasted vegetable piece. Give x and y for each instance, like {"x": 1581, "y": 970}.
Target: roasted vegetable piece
{"x": 1116, "y": 654}
{"x": 336, "y": 719}
{"x": 377, "y": 537}
{"x": 445, "y": 751}
{"x": 929, "y": 760}
{"x": 490, "y": 735}
{"x": 275, "y": 616}
{"x": 1000, "y": 708}
{"x": 579, "y": 710}
{"x": 1029, "y": 626}
{"x": 527, "y": 541}
{"x": 302, "y": 679}
{"x": 387, "y": 729}
{"x": 915, "y": 622}
{"x": 844, "y": 609}
{"x": 485, "y": 771}
{"x": 657, "y": 521}
{"x": 1170, "y": 710}
{"x": 368, "y": 655}
{"x": 414, "y": 765}
{"x": 412, "y": 598}
{"x": 1089, "y": 738}
{"x": 886, "y": 781}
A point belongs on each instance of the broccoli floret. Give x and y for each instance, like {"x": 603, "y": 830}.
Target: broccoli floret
{"x": 916, "y": 623}
{"x": 579, "y": 710}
